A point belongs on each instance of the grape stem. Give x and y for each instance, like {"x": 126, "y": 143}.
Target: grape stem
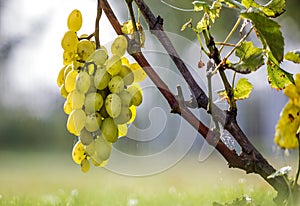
{"x": 98, "y": 17}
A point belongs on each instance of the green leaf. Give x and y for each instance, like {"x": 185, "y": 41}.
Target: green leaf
{"x": 243, "y": 89}
{"x": 293, "y": 56}
{"x": 213, "y": 11}
{"x": 277, "y": 77}
{"x": 273, "y": 8}
{"x": 201, "y": 6}
{"x": 251, "y": 58}
{"x": 268, "y": 32}
{"x": 203, "y": 23}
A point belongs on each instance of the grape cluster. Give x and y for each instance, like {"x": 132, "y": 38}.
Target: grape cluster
{"x": 101, "y": 93}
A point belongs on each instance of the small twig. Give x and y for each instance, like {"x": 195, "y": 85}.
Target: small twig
{"x": 98, "y": 17}
{"x": 298, "y": 170}
{"x": 88, "y": 37}
{"x": 225, "y": 44}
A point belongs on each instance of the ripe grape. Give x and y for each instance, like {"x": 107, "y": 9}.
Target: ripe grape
{"x": 93, "y": 122}
{"x": 76, "y": 121}
{"x": 125, "y": 61}
{"x": 78, "y": 152}
{"x": 116, "y": 84}
{"x": 125, "y": 98}
{"x": 93, "y": 102}
{"x": 67, "y": 107}
{"x": 76, "y": 99}
{"x": 70, "y": 81}
{"x": 136, "y": 93}
{"x": 75, "y": 20}
{"x": 114, "y": 64}
{"x": 86, "y": 137}
{"x": 69, "y": 41}
{"x": 119, "y": 46}
{"x": 68, "y": 57}
{"x": 63, "y": 91}
{"x": 102, "y": 149}
{"x": 124, "y": 116}
{"x": 85, "y": 165}
{"x": 84, "y": 49}
{"x": 61, "y": 78}
{"x": 100, "y": 56}
{"x": 122, "y": 130}
{"x": 83, "y": 82}
{"x": 127, "y": 75}
{"x": 139, "y": 73}
{"x": 68, "y": 68}
{"x": 113, "y": 105}
{"x": 101, "y": 78}
{"x": 109, "y": 130}
{"x": 133, "y": 114}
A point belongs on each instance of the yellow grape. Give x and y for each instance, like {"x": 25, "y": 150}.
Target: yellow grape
{"x": 70, "y": 81}
{"x": 100, "y": 56}
{"x": 78, "y": 152}
{"x": 61, "y": 78}
{"x": 101, "y": 78}
{"x": 113, "y": 105}
{"x": 139, "y": 73}
{"x": 76, "y": 99}
{"x": 116, "y": 84}
{"x": 75, "y": 20}
{"x": 63, "y": 91}
{"x": 85, "y": 165}
{"x": 122, "y": 129}
{"x": 68, "y": 68}
{"x": 69, "y": 41}
{"x": 133, "y": 114}
{"x": 76, "y": 121}
{"x": 125, "y": 61}
{"x": 68, "y": 57}
{"x": 127, "y": 75}
{"x": 109, "y": 130}
{"x": 136, "y": 93}
{"x": 67, "y": 107}
{"x": 93, "y": 102}
{"x": 124, "y": 116}
{"x": 119, "y": 46}
{"x": 85, "y": 49}
{"x": 93, "y": 122}
{"x": 83, "y": 82}
{"x": 114, "y": 64}
{"x": 291, "y": 91}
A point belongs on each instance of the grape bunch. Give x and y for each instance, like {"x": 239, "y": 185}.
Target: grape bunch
{"x": 101, "y": 92}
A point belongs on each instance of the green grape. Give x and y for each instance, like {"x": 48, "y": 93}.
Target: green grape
{"x": 93, "y": 122}
{"x": 75, "y": 20}
{"x": 113, "y": 105}
{"x": 122, "y": 130}
{"x": 67, "y": 107}
{"x": 68, "y": 57}
{"x": 119, "y": 46}
{"x": 83, "y": 82}
{"x": 78, "y": 152}
{"x": 84, "y": 49}
{"x": 136, "y": 93}
{"x": 93, "y": 102}
{"x": 125, "y": 98}
{"x": 61, "y": 78}
{"x": 86, "y": 137}
{"x": 70, "y": 81}
{"x": 109, "y": 130}
{"x": 102, "y": 150}
{"x": 127, "y": 75}
{"x": 114, "y": 64}
{"x": 85, "y": 165}
{"x": 139, "y": 73}
{"x": 116, "y": 84}
{"x": 76, "y": 121}
{"x": 76, "y": 99}
{"x": 101, "y": 78}
{"x": 124, "y": 116}
{"x": 90, "y": 148}
{"x": 69, "y": 41}
{"x": 63, "y": 91}
{"x": 100, "y": 56}
{"x": 103, "y": 112}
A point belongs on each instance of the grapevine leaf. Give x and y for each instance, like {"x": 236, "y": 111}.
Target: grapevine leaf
{"x": 251, "y": 58}
{"x": 268, "y": 32}
{"x": 203, "y": 23}
{"x": 281, "y": 172}
{"x": 273, "y": 8}
{"x": 287, "y": 127}
{"x": 293, "y": 56}
{"x": 213, "y": 11}
{"x": 241, "y": 91}
{"x": 277, "y": 77}
{"x": 187, "y": 24}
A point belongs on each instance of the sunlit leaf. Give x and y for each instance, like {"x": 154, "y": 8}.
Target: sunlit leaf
{"x": 243, "y": 89}
{"x": 251, "y": 58}
{"x": 213, "y": 11}
{"x": 187, "y": 24}
{"x": 292, "y": 91}
{"x": 201, "y": 6}
{"x": 273, "y": 8}
{"x": 277, "y": 77}
{"x": 281, "y": 172}
{"x": 268, "y": 32}
{"x": 293, "y": 56}
{"x": 287, "y": 127}
{"x": 203, "y": 23}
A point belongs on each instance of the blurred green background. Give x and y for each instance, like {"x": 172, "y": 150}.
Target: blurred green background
{"x": 35, "y": 146}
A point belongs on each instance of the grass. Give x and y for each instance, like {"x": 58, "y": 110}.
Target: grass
{"x": 32, "y": 179}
